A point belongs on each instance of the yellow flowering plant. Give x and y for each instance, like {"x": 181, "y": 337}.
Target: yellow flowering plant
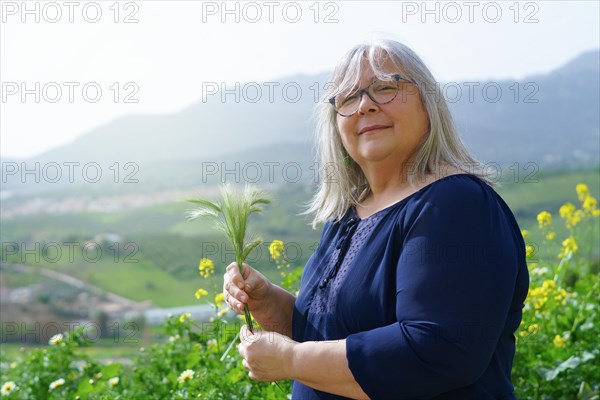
{"x": 206, "y": 267}
{"x": 557, "y": 341}
{"x": 200, "y": 293}
{"x": 544, "y": 219}
{"x": 276, "y": 250}
{"x": 207, "y": 270}
{"x": 290, "y": 276}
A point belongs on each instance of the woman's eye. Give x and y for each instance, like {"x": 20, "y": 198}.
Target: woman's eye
{"x": 385, "y": 88}
{"x": 349, "y": 99}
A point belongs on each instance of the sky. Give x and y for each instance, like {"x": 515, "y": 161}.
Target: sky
{"x": 68, "y": 67}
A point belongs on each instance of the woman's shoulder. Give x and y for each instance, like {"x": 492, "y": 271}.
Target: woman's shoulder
{"x": 450, "y": 191}
{"x": 461, "y": 196}
{"x": 458, "y": 195}
{"x": 457, "y": 186}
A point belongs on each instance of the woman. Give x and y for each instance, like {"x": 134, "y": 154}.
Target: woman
{"x": 417, "y": 285}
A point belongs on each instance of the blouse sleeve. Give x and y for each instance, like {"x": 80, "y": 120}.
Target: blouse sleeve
{"x": 455, "y": 280}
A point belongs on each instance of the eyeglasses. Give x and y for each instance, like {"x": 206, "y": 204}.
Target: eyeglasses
{"x": 381, "y": 92}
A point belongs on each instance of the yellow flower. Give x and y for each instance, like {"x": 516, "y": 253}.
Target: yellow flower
{"x": 589, "y": 203}
{"x": 206, "y": 267}
{"x": 7, "y": 388}
{"x": 548, "y": 285}
{"x": 56, "y": 339}
{"x": 185, "y": 376}
{"x": 529, "y": 250}
{"x": 566, "y": 210}
{"x": 559, "y": 342}
{"x": 538, "y": 296}
{"x": 112, "y": 382}
{"x": 550, "y": 235}
{"x": 539, "y": 302}
{"x": 561, "y": 296}
{"x": 200, "y": 292}
{"x": 569, "y": 213}
{"x": 582, "y": 191}
{"x": 533, "y": 328}
{"x": 56, "y": 383}
{"x": 224, "y": 312}
{"x": 544, "y": 219}
{"x": 219, "y": 298}
{"x": 524, "y": 233}
{"x": 276, "y": 249}
{"x": 185, "y": 316}
{"x": 575, "y": 218}
{"x": 569, "y": 246}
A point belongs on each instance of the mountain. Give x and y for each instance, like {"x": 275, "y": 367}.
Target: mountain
{"x": 550, "y": 120}
{"x": 220, "y": 124}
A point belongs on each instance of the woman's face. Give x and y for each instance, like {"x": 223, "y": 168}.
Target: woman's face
{"x": 399, "y": 126}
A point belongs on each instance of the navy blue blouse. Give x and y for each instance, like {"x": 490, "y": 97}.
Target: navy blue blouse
{"x": 427, "y": 292}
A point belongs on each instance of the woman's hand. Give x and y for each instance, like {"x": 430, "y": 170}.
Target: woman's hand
{"x": 250, "y": 287}
{"x": 266, "y": 355}
{"x": 270, "y": 356}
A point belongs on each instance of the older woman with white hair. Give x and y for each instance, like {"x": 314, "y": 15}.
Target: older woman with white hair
{"x": 417, "y": 285}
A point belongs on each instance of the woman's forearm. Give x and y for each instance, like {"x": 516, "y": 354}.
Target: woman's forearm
{"x": 323, "y": 366}
{"x": 276, "y": 315}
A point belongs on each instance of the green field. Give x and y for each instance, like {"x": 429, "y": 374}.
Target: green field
{"x": 550, "y": 191}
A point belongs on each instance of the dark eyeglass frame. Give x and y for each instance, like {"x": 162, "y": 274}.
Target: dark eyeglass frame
{"x": 397, "y": 78}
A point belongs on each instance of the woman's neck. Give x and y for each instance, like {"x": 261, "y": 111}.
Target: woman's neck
{"x": 392, "y": 187}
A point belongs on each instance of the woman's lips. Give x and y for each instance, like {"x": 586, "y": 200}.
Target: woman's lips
{"x": 371, "y": 128}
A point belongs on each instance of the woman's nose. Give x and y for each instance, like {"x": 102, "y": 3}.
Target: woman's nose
{"x": 366, "y": 105}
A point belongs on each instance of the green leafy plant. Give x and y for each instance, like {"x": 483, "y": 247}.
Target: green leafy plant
{"x": 231, "y": 213}
{"x": 557, "y": 342}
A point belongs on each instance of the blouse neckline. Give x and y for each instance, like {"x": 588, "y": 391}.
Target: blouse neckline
{"x": 354, "y": 214}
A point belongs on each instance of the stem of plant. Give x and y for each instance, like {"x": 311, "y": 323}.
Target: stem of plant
{"x": 246, "y": 309}
{"x": 582, "y": 306}
{"x": 229, "y": 347}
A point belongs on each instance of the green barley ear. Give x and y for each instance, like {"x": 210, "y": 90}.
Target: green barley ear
{"x": 231, "y": 212}
{"x": 251, "y": 246}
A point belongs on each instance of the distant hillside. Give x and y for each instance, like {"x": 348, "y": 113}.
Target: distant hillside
{"x": 214, "y": 127}
{"x": 551, "y": 120}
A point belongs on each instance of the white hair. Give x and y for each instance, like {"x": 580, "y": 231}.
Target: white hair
{"x": 343, "y": 183}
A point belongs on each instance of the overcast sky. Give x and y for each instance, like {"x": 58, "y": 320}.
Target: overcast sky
{"x": 160, "y": 53}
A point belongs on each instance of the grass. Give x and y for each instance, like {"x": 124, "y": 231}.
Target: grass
{"x": 142, "y": 281}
